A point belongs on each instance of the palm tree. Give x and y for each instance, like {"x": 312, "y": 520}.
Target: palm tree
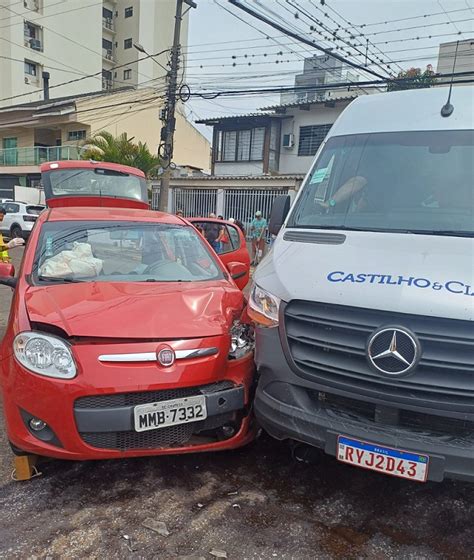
{"x": 103, "y": 146}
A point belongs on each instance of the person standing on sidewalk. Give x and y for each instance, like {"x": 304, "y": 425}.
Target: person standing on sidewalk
{"x": 257, "y": 232}
{"x": 4, "y": 247}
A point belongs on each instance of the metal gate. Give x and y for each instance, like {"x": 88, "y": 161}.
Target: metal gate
{"x": 242, "y": 204}
{"x": 194, "y": 202}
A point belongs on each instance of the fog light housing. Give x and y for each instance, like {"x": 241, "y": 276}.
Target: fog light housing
{"x": 37, "y": 425}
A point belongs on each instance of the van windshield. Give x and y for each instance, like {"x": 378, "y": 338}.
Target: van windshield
{"x": 122, "y": 252}
{"x": 417, "y": 182}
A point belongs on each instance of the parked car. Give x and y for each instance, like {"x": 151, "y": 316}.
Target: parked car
{"x": 19, "y": 218}
{"x": 235, "y": 247}
{"x": 364, "y": 307}
{"x": 124, "y": 351}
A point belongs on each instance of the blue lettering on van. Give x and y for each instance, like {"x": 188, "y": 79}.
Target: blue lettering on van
{"x": 452, "y": 286}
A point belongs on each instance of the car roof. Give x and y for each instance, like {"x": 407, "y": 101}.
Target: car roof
{"x": 411, "y": 110}
{"x": 86, "y": 213}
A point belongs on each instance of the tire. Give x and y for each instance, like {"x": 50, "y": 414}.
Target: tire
{"x": 16, "y": 232}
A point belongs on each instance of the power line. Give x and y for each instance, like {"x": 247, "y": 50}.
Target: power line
{"x": 33, "y": 20}
{"x": 373, "y": 33}
{"x": 300, "y": 38}
{"x": 412, "y": 17}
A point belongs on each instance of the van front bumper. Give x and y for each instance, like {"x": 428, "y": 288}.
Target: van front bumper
{"x": 290, "y": 407}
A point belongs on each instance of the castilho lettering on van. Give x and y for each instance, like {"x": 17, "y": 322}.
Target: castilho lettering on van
{"x": 452, "y": 286}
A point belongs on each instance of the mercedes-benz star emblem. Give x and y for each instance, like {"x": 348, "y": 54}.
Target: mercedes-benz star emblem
{"x": 393, "y": 351}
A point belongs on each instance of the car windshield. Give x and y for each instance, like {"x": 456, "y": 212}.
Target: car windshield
{"x": 95, "y": 182}
{"x": 420, "y": 182}
{"x": 122, "y": 252}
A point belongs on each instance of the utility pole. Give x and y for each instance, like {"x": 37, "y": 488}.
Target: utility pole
{"x": 165, "y": 150}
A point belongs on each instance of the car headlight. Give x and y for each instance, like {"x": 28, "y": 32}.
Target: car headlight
{"x": 242, "y": 340}
{"x": 263, "y": 307}
{"x": 45, "y": 355}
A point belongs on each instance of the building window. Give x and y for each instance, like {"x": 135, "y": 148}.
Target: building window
{"x": 107, "y": 14}
{"x": 240, "y": 145}
{"x": 127, "y": 74}
{"x": 107, "y": 45}
{"x": 127, "y": 44}
{"x": 31, "y": 68}
{"x": 129, "y": 12}
{"x": 311, "y": 137}
{"x": 76, "y": 135}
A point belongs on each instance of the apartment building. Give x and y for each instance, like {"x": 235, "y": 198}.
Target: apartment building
{"x": 462, "y": 61}
{"x": 88, "y": 45}
{"x": 32, "y": 133}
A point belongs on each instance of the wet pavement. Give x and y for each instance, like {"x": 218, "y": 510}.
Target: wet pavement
{"x": 255, "y": 503}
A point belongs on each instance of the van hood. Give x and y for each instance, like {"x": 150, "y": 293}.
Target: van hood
{"x": 405, "y": 273}
{"x": 136, "y": 310}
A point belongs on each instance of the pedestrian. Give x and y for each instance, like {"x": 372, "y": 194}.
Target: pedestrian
{"x": 4, "y": 247}
{"x": 212, "y": 231}
{"x": 179, "y": 213}
{"x": 239, "y": 224}
{"x": 257, "y": 232}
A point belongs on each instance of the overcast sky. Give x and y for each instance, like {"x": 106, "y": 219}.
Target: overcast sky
{"x": 221, "y": 46}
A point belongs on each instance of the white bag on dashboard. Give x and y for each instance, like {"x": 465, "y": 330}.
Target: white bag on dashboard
{"x": 78, "y": 263}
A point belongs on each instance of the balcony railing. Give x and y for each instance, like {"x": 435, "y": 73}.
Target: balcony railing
{"x": 107, "y": 83}
{"x": 108, "y": 24}
{"x": 108, "y": 54}
{"x": 37, "y": 155}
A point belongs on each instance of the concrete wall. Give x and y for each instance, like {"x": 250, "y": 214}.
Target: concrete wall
{"x": 65, "y": 57}
{"x": 290, "y": 162}
{"x": 238, "y": 168}
{"x": 141, "y": 121}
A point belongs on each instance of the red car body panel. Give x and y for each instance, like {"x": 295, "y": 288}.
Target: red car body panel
{"x": 241, "y": 254}
{"x": 54, "y": 201}
{"x": 98, "y": 318}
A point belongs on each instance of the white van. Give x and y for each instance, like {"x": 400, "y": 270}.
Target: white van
{"x": 365, "y": 305}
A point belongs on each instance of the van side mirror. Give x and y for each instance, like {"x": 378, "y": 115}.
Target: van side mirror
{"x": 7, "y": 275}
{"x": 280, "y": 209}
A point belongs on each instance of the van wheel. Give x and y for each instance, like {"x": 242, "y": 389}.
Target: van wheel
{"x": 16, "y": 232}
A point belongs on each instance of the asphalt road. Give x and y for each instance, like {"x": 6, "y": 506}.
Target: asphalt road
{"x": 255, "y": 503}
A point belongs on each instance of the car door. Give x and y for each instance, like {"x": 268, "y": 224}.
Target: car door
{"x": 234, "y": 250}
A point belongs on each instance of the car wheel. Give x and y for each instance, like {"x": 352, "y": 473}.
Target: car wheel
{"x": 16, "y": 232}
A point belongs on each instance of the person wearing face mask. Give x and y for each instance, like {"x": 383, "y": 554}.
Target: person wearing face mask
{"x": 4, "y": 247}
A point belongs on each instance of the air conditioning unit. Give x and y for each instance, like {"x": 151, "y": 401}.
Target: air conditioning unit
{"x": 35, "y": 44}
{"x": 288, "y": 140}
{"x": 27, "y": 80}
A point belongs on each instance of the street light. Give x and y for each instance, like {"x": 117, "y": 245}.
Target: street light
{"x": 141, "y": 48}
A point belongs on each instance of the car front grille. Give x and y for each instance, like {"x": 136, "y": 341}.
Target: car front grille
{"x": 172, "y": 436}
{"x": 327, "y": 345}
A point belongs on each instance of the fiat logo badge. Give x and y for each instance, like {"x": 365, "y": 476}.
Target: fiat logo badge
{"x": 165, "y": 356}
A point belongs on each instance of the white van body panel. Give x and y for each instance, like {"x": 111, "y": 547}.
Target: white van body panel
{"x": 407, "y": 111}
{"x": 291, "y": 271}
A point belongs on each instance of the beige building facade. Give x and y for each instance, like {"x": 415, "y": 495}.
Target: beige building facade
{"x": 33, "y": 133}
{"x": 83, "y": 46}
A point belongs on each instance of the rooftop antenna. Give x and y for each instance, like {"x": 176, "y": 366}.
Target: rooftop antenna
{"x": 447, "y": 109}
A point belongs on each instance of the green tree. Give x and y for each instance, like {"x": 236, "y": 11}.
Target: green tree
{"x": 413, "y": 78}
{"x": 104, "y": 146}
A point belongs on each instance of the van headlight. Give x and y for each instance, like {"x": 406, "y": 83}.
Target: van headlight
{"x": 263, "y": 307}
{"x": 45, "y": 355}
{"x": 242, "y": 340}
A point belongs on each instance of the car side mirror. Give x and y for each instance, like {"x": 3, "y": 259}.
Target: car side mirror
{"x": 7, "y": 275}
{"x": 280, "y": 209}
{"x": 237, "y": 270}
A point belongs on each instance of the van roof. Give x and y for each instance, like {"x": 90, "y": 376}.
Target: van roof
{"x": 411, "y": 110}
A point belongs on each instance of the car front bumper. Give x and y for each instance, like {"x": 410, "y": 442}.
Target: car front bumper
{"x": 91, "y": 416}
{"x": 289, "y": 407}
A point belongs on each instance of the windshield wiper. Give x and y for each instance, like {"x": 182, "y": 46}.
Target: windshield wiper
{"x": 61, "y": 280}
{"x": 447, "y": 232}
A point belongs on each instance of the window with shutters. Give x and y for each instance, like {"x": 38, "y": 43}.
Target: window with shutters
{"x": 311, "y": 137}
{"x": 240, "y": 145}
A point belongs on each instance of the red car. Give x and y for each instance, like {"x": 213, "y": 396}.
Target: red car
{"x": 127, "y": 334}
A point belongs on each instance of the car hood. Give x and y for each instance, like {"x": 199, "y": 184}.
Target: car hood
{"x": 136, "y": 310}
{"x": 405, "y": 273}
